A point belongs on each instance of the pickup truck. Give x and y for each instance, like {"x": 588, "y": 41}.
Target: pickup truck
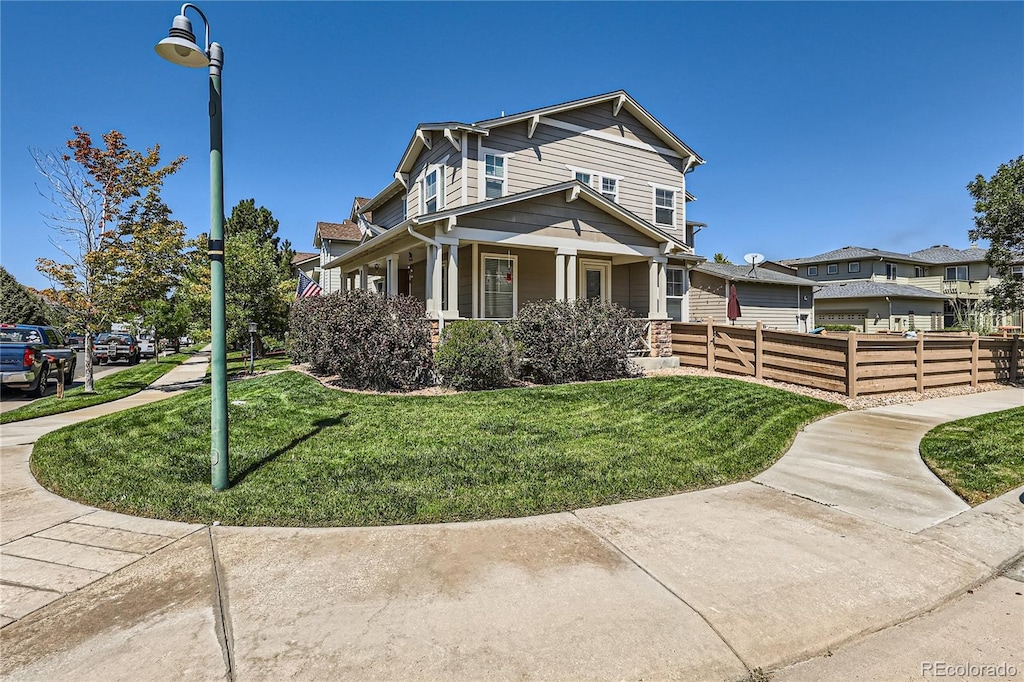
{"x": 147, "y": 347}
{"x": 30, "y": 354}
{"x": 111, "y": 347}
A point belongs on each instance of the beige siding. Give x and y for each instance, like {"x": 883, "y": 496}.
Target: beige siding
{"x": 551, "y": 216}
{"x": 543, "y": 159}
{"x": 631, "y": 287}
{"x": 389, "y": 213}
{"x": 927, "y": 313}
{"x": 440, "y": 149}
{"x": 775, "y": 305}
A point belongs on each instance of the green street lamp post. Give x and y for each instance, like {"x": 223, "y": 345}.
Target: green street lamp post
{"x": 180, "y": 47}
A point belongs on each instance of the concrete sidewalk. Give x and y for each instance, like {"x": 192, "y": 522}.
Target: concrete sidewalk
{"x": 705, "y": 586}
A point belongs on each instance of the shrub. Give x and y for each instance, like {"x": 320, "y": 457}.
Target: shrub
{"x": 561, "y": 341}
{"x": 368, "y": 340}
{"x": 475, "y": 355}
{"x": 840, "y": 328}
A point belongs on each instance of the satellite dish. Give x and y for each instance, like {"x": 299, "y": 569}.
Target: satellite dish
{"x": 754, "y": 259}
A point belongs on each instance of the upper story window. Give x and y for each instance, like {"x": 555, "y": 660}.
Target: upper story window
{"x": 812, "y": 270}
{"x": 853, "y": 266}
{"x": 664, "y": 206}
{"x": 432, "y": 193}
{"x": 832, "y": 268}
{"x": 918, "y": 271}
{"x": 607, "y": 185}
{"x": 956, "y": 272}
{"x": 405, "y": 206}
{"x": 1017, "y": 272}
{"x": 494, "y": 176}
{"x": 890, "y": 271}
{"x": 610, "y": 188}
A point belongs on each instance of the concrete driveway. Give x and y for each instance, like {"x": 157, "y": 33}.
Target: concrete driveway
{"x": 710, "y": 585}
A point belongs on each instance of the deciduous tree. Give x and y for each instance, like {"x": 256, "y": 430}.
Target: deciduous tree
{"x": 999, "y": 218}
{"x": 93, "y": 187}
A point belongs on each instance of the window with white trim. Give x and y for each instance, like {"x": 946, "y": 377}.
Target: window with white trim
{"x": 1017, "y": 272}
{"x": 918, "y": 271}
{"x": 956, "y": 272}
{"x": 832, "y": 268}
{"x": 583, "y": 177}
{"x": 853, "y": 266}
{"x": 675, "y": 290}
{"x": 812, "y": 270}
{"x": 499, "y": 287}
{"x": 610, "y": 188}
{"x": 494, "y": 176}
{"x": 432, "y": 190}
{"x": 890, "y": 271}
{"x": 664, "y": 206}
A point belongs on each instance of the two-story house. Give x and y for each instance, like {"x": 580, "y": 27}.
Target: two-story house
{"x": 582, "y": 199}
{"x": 930, "y": 289}
{"x": 333, "y": 240}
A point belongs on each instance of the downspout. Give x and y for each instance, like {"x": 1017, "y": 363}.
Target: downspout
{"x": 428, "y": 240}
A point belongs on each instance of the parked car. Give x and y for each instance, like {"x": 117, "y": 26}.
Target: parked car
{"x": 147, "y": 347}
{"x": 111, "y": 347}
{"x": 30, "y": 355}
{"x": 76, "y": 342}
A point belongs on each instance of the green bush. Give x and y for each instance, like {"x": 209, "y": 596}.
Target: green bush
{"x": 475, "y": 355}
{"x": 583, "y": 340}
{"x": 839, "y": 328}
{"x": 368, "y": 340}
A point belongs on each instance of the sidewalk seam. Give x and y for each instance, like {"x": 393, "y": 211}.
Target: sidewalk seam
{"x": 666, "y": 588}
{"x": 224, "y": 632}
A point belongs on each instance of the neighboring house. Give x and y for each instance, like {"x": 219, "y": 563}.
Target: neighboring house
{"x": 876, "y": 290}
{"x": 767, "y": 293}
{"x": 333, "y": 240}
{"x": 585, "y": 199}
{"x": 308, "y": 263}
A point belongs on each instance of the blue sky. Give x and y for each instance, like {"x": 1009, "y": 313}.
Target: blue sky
{"x": 823, "y": 124}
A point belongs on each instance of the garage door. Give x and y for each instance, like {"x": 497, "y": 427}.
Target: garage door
{"x": 854, "y": 318}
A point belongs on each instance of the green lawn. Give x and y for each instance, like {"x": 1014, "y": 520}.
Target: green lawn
{"x": 979, "y": 457}
{"x": 112, "y": 387}
{"x": 238, "y": 363}
{"x": 305, "y": 455}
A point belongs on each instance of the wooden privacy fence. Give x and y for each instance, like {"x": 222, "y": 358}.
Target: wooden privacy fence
{"x": 853, "y": 364}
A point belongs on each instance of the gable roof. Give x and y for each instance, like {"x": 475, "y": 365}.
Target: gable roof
{"x": 621, "y": 98}
{"x": 303, "y": 256}
{"x": 744, "y": 273}
{"x": 346, "y": 231}
{"x": 869, "y": 289}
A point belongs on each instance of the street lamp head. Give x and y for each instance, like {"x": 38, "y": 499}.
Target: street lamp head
{"x": 179, "y": 47}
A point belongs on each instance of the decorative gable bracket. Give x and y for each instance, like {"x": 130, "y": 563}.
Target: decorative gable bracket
{"x": 618, "y": 105}
{"x": 450, "y": 136}
{"x": 572, "y": 194}
{"x": 424, "y": 138}
{"x": 532, "y": 125}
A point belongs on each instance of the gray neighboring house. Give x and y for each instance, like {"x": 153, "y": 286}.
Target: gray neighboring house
{"x": 876, "y": 290}
{"x": 585, "y": 199}
{"x": 308, "y": 263}
{"x": 333, "y": 240}
{"x": 769, "y": 293}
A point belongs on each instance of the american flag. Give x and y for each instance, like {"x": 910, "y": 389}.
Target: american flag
{"x": 307, "y": 287}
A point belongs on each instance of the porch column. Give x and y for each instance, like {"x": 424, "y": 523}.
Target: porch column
{"x": 433, "y": 280}
{"x": 476, "y": 280}
{"x": 571, "y": 292}
{"x": 391, "y": 275}
{"x": 364, "y": 277}
{"x": 559, "y": 276}
{"x": 452, "y": 311}
{"x": 657, "y": 289}
{"x": 662, "y": 287}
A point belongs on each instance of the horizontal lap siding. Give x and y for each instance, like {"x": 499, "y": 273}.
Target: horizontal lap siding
{"x": 601, "y": 118}
{"x": 631, "y": 287}
{"x": 774, "y": 305}
{"x": 541, "y": 161}
{"x": 441, "y": 148}
{"x": 389, "y": 213}
{"x": 707, "y": 297}
{"x": 550, "y": 216}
